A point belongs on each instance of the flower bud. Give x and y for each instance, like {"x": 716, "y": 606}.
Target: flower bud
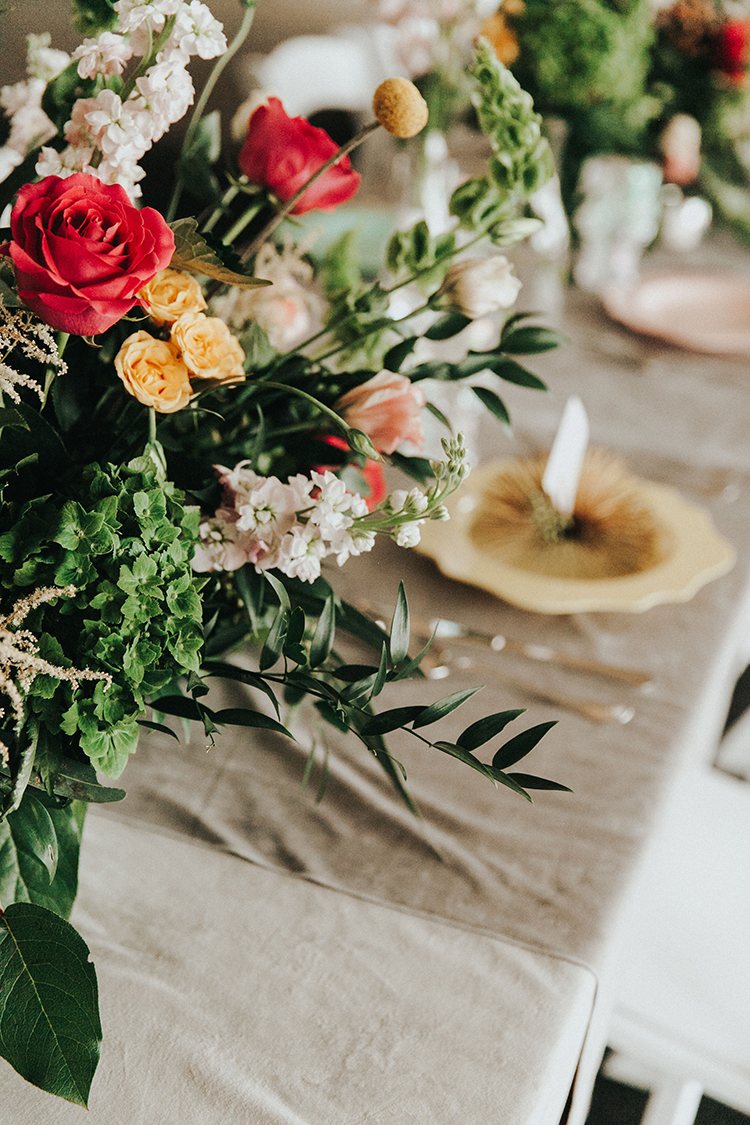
{"x": 400, "y": 108}
{"x": 479, "y": 286}
{"x": 440, "y": 513}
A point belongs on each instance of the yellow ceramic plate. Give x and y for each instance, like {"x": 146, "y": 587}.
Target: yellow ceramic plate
{"x": 696, "y": 555}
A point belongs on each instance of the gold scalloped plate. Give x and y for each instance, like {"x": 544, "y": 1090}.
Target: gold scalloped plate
{"x": 697, "y": 555}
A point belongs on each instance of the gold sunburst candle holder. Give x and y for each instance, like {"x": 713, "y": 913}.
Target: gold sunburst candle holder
{"x": 610, "y": 533}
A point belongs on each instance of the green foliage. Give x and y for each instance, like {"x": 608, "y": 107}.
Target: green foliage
{"x": 49, "y": 1018}
{"x": 91, "y": 17}
{"x": 39, "y": 846}
{"x": 124, "y": 538}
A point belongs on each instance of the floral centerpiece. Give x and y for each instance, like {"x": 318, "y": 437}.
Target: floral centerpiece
{"x": 664, "y": 81}
{"x": 195, "y": 415}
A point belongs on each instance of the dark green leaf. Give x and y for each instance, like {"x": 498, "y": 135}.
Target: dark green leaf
{"x": 419, "y": 468}
{"x": 158, "y": 727}
{"x": 279, "y": 589}
{"x": 529, "y": 781}
{"x": 512, "y": 372}
{"x": 49, "y": 1014}
{"x": 484, "y": 729}
{"x": 274, "y": 645}
{"x": 506, "y": 780}
{"x": 181, "y": 706}
{"x": 393, "y": 358}
{"x": 449, "y": 325}
{"x": 436, "y": 413}
{"x": 296, "y": 628}
{"x": 79, "y": 781}
{"x": 530, "y": 340}
{"x": 354, "y": 673}
{"x": 518, "y": 747}
{"x": 244, "y": 717}
{"x": 387, "y": 721}
{"x": 464, "y": 756}
{"x": 325, "y": 630}
{"x": 243, "y": 676}
{"x": 493, "y": 403}
{"x": 443, "y": 707}
{"x": 332, "y": 716}
{"x": 380, "y": 679}
{"x": 400, "y": 633}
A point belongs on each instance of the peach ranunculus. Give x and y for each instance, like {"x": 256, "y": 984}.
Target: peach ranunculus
{"x": 208, "y": 348}
{"x": 153, "y": 372}
{"x": 170, "y": 294}
{"x": 387, "y": 408}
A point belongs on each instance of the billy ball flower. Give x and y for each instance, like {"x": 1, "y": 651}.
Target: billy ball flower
{"x": 170, "y": 294}
{"x": 153, "y": 372}
{"x": 400, "y": 108}
{"x": 208, "y": 348}
{"x": 477, "y": 287}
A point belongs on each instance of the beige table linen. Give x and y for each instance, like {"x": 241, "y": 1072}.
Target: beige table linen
{"x": 236, "y": 996}
{"x": 548, "y": 880}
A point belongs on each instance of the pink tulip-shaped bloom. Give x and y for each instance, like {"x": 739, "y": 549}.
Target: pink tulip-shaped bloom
{"x": 282, "y": 153}
{"x": 387, "y": 408}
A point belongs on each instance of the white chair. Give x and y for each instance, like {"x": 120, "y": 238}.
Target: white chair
{"x": 681, "y": 1024}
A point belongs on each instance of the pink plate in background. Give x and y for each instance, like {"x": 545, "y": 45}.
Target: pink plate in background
{"x": 701, "y": 312}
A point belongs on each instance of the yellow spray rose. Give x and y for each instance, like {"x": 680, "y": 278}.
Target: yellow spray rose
{"x": 208, "y": 348}
{"x": 170, "y": 294}
{"x": 153, "y": 372}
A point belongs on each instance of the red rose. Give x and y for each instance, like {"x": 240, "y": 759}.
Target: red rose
{"x": 731, "y": 53}
{"x": 82, "y": 251}
{"x": 282, "y": 152}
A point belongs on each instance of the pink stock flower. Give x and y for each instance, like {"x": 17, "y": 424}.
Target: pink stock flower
{"x": 387, "y": 408}
{"x": 282, "y": 152}
{"x": 82, "y": 251}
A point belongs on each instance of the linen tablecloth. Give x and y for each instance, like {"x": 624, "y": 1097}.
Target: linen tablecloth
{"x": 547, "y": 882}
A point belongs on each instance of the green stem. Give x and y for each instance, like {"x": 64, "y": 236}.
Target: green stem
{"x": 151, "y": 425}
{"x": 202, "y": 102}
{"x": 377, "y": 328}
{"x": 386, "y": 293}
{"x": 289, "y": 205}
{"x": 219, "y": 210}
{"x": 240, "y": 224}
{"x": 337, "y": 421}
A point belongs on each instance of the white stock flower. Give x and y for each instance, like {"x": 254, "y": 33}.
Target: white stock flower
{"x": 409, "y": 534}
{"x": 133, "y": 13}
{"x": 351, "y": 543}
{"x": 42, "y": 61}
{"x": 65, "y": 163}
{"x": 196, "y": 32}
{"x": 270, "y": 509}
{"x": 107, "y": 54}
{"x": 301, "y": 552}
{"x": 168, "y": 91}
{"x": 480, "y": 286}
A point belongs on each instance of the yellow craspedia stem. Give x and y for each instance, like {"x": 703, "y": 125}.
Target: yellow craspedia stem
{"x": 400, "y": 108}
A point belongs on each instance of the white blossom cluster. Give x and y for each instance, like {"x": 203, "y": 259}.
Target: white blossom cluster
{"x": 291, "y": 527}
{"x": 109, "y": 132}
{"x": 22, "y": 102}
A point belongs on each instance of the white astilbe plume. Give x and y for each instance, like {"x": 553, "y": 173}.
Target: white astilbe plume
{"x": 19, "y": 330}
{"x": 20, "y": 663}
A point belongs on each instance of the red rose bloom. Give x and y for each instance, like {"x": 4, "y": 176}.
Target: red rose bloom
{"x": 731, "y": 53}
{"x": 282, "y": 152}
{"x": 82, "y": 251}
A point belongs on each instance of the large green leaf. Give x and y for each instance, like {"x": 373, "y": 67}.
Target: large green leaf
{"x": 39, "y": 849}
{"x": 193, "y": 253}
{"x": 49, "y": 1013}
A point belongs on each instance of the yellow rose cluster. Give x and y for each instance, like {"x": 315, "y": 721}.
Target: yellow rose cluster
{"x": 158, "y": 372}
